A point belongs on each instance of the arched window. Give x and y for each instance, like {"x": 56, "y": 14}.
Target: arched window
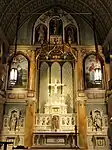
{"x": 18, "y": 73}
{"x": 92, "y": 72}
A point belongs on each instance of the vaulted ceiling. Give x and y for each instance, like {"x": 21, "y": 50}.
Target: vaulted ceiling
{"x": 102, "y": 10}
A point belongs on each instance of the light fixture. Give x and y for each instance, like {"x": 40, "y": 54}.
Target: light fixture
{"x": 14, "y": 71}
{"x": 98, "y": 72}
{"x": 98, "y": 75}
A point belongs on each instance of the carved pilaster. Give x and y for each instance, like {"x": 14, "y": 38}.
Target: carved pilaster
{"x": 29, "y": 122}
{"x": 32, "y": 71}
{"x": 80, "y": 72}
{"x": 81, "y": 101}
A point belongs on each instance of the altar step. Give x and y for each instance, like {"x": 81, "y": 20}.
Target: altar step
{"x": 60, "y": 147}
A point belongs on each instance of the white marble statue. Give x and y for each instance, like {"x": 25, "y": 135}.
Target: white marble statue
{"x": 96, "y": 119}
{"x": 13, "y": 121}
{"x": 41, "y": 33}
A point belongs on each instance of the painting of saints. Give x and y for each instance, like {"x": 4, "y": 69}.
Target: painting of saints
{"x": 19, "y": 76}
{"x": 91, "y": 71}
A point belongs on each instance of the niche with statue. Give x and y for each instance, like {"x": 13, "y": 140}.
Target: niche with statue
{"x": 71, "y": 34}
{"x": 56, "y": 30}
{"x": 41, "y": 34}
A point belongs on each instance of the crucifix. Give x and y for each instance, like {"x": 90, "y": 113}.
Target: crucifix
{"x": 56, "y": 85}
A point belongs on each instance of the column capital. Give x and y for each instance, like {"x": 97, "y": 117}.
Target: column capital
{"x": 81, "y": 98}
{"x": 30, "y": 101}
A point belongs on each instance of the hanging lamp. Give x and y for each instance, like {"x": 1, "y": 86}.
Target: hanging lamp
{"x": 14, "y": 71}
{"x": 98, "y": 72}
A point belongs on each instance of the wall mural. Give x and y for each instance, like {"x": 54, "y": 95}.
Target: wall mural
{"x": 22, "y": 72}
{"x": 90, "y": 75}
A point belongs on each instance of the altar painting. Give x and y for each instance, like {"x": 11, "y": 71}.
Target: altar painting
{"x": 90, "y": 66}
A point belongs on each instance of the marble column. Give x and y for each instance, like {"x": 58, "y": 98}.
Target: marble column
{"x": 32, "y": 72}
{"x": 80, "y": 72}
{"x": 30, "y": 107}
{"x": 107, "y": 70}
{"x": 29, "y": 121}
{"x": 2, "y": 101}
{"x": 82, "y": 122}
{"x": 37, "y": 89}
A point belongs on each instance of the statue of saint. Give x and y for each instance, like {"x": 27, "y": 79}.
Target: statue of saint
{"x": 41, "y": 33}
{"x": 70, "y": 36}
{"x": 13, "y": 121}
{"x": 55, "y": 123}
{"x": 97, "y": 120}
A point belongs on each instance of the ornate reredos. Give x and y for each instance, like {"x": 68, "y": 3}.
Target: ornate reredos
{"x": 57, "y": 52}
{"x": 55, "y": 12}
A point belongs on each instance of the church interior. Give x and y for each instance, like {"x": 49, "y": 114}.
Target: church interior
{"x": 55, "y": 74}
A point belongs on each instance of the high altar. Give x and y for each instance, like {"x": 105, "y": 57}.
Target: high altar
{"x": 59, "y": 86}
